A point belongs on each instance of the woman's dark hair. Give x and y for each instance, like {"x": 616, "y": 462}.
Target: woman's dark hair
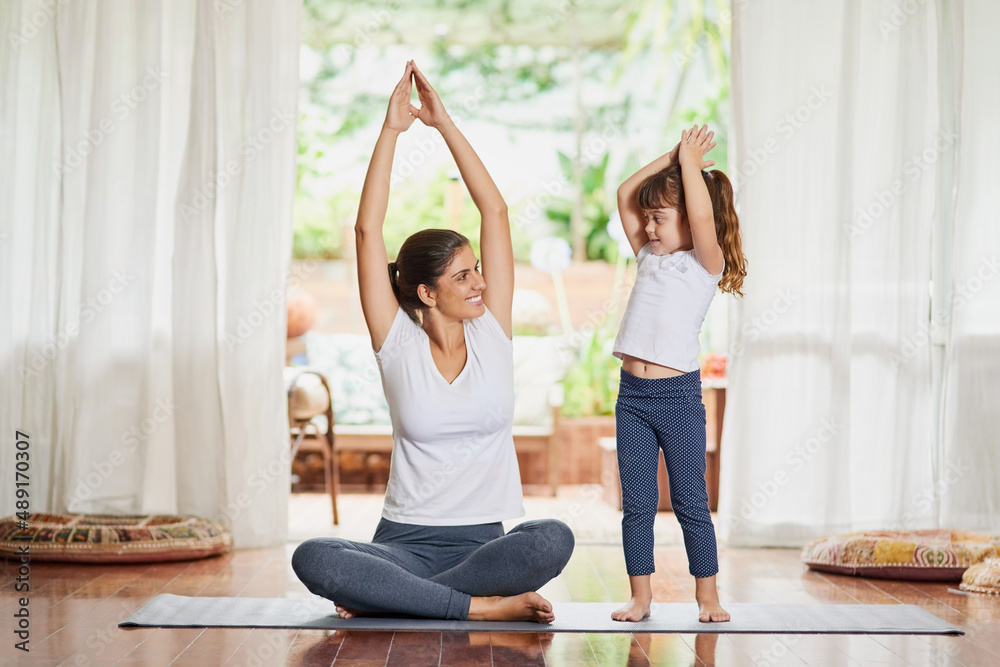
{"x": 665, "y": 189}
{"x": 423, "y": 259}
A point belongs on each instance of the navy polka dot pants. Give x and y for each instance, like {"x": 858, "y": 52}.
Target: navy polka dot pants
{"x": 665, "y": 414}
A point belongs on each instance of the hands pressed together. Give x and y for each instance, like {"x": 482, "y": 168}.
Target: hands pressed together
{"x": 693, "y": 145}
{"x": 402, "y": 113}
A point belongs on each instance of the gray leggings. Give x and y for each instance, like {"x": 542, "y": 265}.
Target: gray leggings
{"x": 433, "y": 571}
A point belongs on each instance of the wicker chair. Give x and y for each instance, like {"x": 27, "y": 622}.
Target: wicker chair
{"x": 310, "y": 423}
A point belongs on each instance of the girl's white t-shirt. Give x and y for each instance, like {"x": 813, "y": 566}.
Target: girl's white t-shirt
{"x": 666, "y": 309}
{"x": 453, "y": 460}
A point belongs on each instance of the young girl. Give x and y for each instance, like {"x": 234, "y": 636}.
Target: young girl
{"x": 681, "y": 223}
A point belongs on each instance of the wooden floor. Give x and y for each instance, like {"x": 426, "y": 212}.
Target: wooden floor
{"x": 75, "y": 611}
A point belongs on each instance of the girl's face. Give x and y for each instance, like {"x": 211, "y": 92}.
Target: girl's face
{"x": 459, "y": 292}
{"x": 668, "y": 230}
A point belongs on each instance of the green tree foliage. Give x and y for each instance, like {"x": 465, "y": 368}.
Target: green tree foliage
{"x": 591, "y": 385}
{"x": 597, "y": 208}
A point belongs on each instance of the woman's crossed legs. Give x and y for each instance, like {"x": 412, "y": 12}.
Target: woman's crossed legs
{"x": 452, "y": 572}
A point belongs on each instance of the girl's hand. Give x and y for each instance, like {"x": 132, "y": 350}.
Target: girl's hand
{"x": 675, "y": 154}
{"x": 401, "y": 113}
{"x": 694, "y": 144}
{"x": 432, "y": 113}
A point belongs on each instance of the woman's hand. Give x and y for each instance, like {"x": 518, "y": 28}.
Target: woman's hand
{"x": 694, "y": 144}
{"x": 401, "y": 113}
{"x": 432, "y": 113}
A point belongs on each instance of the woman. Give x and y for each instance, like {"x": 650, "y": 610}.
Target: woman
{"x": 443, "y": 344}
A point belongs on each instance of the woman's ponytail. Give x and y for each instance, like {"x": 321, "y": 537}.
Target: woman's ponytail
{"x": 394, "y": 278}
{"x": 727, "y": 231}
{"x": 422, "y": 260}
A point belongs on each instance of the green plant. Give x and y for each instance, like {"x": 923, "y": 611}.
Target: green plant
{"x": 597, "y": 209}
{"x": 414, "y": 205}
{"x": 713, "y": 110}
{"x": 319, "y": 222}
{"x": 591, "y": 385}
{"x": 315, "y": 240}
{"x": 687, "y": 36}
{"x": 419, "y": 204}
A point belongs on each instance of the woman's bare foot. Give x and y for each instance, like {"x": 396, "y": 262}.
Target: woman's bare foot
{"x": 344, "y": 612}
{"x": 707, "y": 595}
{"x": 634, "y": 610}
{"x": 524, "y": 607}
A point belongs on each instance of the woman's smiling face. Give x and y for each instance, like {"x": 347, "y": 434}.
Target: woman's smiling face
{"x": 459, "y": 292}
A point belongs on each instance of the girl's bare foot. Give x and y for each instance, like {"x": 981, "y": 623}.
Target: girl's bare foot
{"x": 707, "y": 595}
{"x": 525, "y": 607}
{"x": 712, "y": 613}
{"x": 634, "y": 610}
{"x": 642, "y": 597}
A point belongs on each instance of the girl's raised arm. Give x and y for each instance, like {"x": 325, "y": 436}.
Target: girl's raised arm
{"x": 697, "y": 203}
{"x": 377, "y": 299}
{"x": 494, "y": 236}
{"x": 633, "y": 221}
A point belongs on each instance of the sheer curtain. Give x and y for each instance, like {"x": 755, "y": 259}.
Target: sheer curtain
{"x": 148, "y": 172}
{"x": 849, "y": 119}
{"x": 967, "y": 486}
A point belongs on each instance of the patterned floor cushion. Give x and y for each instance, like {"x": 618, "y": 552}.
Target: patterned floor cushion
{"x": 983, "y": 578}
{"x": 928, "y": 555}
{"x": 110, "y": 538}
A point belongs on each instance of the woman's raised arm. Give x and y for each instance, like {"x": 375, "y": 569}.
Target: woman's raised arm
{"x": 378, "y": 302}
{"x": 494, "y": 236}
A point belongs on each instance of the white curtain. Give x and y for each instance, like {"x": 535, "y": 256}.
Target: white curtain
{"x": 849, "y": 119}
{"x": 148, "y": 157}
{"x": 968, "y": 486}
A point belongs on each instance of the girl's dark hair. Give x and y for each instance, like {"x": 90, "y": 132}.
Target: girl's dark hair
{"x": 421, "y": 260}
{"x": 664, "y": 189}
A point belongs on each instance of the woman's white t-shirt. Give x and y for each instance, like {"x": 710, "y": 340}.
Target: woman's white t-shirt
{"x": 666, "y": 309}
{"x": 453, "y": 460}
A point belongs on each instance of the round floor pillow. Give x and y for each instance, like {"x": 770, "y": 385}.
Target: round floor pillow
{"x": 927, "y": 555}
{"x": 112, "y": 538}
{"x": 983, "y": 578}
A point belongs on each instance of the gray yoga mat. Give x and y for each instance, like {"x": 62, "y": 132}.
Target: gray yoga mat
{"x": 176, "y": 611}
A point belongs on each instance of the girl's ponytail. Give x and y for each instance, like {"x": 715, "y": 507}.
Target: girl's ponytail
{"x": 727, "y": 231}
{"x": 665, "y": 189}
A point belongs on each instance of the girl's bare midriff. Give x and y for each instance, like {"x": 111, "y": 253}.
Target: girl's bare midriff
{"x": 647, "y": 369}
